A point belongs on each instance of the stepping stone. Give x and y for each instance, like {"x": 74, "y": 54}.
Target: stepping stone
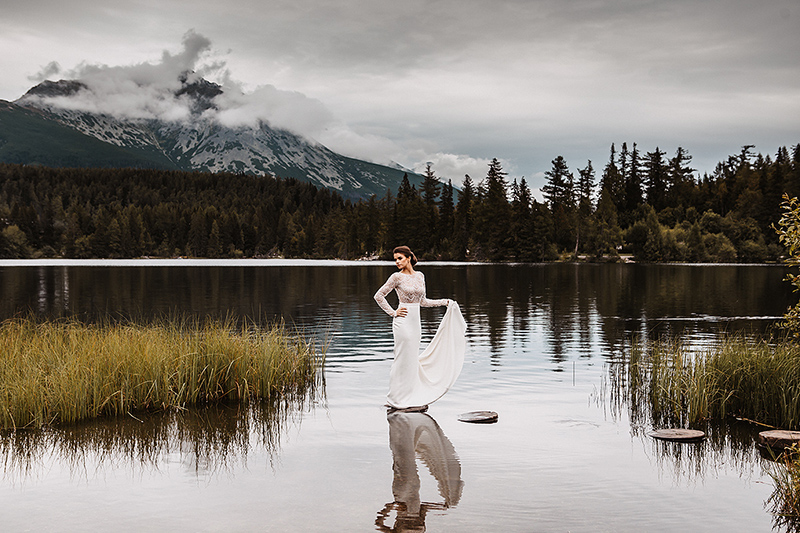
{"x": 779, "y": 438}
{"x": 479, "y": 417}
{"x": 678, "y": 435}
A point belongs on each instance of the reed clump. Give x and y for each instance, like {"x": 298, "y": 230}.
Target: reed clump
{"x": 785, "y": 499}
{"x": 66, "y": 371}
{"x": 669, "y": 384}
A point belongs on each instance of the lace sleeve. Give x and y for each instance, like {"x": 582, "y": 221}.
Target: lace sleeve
{"x": 380, "y": 296}
{"x": 424, "y": 302}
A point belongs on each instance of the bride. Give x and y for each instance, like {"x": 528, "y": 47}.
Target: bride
{"x": 417, "y": 380}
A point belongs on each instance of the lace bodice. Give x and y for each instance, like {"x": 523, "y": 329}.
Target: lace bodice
{"x": 410, "y": 290}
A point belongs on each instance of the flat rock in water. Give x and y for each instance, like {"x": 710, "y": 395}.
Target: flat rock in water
{"x": 779, "y": 438}
{"x": 479, "y": 417}
{"x": 678, "y": 435}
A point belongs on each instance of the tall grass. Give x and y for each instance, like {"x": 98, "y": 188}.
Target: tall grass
{"x": 670, "y": 384}
{"x": 62, "y": 372}
{"x": 785, "y": 499}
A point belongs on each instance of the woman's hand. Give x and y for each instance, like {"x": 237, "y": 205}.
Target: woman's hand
{"x": 401, "y": 312}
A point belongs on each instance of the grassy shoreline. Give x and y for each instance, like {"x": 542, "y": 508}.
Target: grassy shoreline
{"x": 66, "y": 371}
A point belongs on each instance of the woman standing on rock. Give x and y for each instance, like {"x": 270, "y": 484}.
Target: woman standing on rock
{"x": 417, "y": 380}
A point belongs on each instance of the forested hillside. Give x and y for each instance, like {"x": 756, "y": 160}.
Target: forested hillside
{"x": 649, "y": 205}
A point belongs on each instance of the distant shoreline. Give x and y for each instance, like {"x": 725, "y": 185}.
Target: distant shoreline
{"x": 277, "y": 262}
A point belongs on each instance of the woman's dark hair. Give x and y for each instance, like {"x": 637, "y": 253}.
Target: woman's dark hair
{"x": 406, "y": 251}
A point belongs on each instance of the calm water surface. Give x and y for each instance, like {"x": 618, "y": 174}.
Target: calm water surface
{"x": 561, "y": 458}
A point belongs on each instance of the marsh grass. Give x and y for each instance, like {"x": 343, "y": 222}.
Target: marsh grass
{"x": 60, "y": 372}
{"x": 785, "y": 499}
{"x": 665, "y": 383}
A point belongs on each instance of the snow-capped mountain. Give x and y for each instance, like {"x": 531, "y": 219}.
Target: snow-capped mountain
{"x": 204, "y": 144}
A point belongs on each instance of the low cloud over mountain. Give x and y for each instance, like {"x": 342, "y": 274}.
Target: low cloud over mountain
{"x": 155, "y": 91}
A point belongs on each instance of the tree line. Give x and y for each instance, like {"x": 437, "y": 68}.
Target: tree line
{"x": 647, "y": 204}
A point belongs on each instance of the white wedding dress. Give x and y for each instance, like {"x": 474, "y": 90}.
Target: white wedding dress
{"x": 418, "y": 379}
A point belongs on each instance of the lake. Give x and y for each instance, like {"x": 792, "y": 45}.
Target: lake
{"x": 541, "y": 339}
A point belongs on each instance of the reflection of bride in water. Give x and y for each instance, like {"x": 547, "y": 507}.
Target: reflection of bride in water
{"x": 412, "y": 435}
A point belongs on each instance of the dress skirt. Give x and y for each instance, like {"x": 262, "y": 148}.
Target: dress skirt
{"x": 417, "y": 379}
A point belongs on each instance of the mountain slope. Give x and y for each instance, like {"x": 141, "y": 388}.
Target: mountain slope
{"x": 28, "y": 136}
{"x": 38, "y": 128}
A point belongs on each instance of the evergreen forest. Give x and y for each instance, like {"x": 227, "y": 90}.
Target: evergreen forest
{"x": 651, "y": 206}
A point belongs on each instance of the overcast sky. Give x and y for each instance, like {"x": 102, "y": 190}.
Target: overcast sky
{"x": 452, "y": 82}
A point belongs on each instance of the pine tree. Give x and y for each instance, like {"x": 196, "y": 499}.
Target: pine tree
{"x": 607, "y": 235}
{"x": 368, "y": 216}
{"x": 560, "y": 195}
{"x": 198, "y": 235}
{"x": 446, "y": 215}
{"x": 681, "y": 180}
{"x": 430, "y": 193}
{"x": 624, "y": 172}
{"x": 521, "y": 222}
{"x": 409, "y": 221}
{"x": 542, "y": 233}
{"x": 559, "y": 189}
{"x": 463, "y": 218}
{"x": 745, "y": 155}
{"x": 214, "y": 241}
{"x": 430, "y": 186}
{"x": 612, "y": 181}
{"x": 633, "y": 182}
{"x": 792, "y": 185}
{"x": 657, "y": 179}
{"x": 585, "y": 189}
{"x": 496, "y": 213}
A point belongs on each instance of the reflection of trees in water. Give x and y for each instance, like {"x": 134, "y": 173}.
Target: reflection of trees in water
{"x": 561, "y": 311}
{"x": 490, "y": 294}
{"x": 205, "y": 439}
{"x": 412, "y": 436}
{"x": 613, "y": 302}
{"x": 506, "y": 301}
{"x": 155, "y": 290}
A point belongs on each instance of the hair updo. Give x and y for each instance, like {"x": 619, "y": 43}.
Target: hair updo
{"x": 406, "y": 251}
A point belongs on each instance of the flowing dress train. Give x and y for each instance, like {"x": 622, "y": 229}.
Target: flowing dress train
{"x": 418, "y": 379}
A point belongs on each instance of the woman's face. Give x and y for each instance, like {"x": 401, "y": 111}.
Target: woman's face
{"x": 401, "y": 261}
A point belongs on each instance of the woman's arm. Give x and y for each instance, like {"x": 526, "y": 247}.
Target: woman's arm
{"x": 380, "y": 296}
{"x": 424, "y": 302}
